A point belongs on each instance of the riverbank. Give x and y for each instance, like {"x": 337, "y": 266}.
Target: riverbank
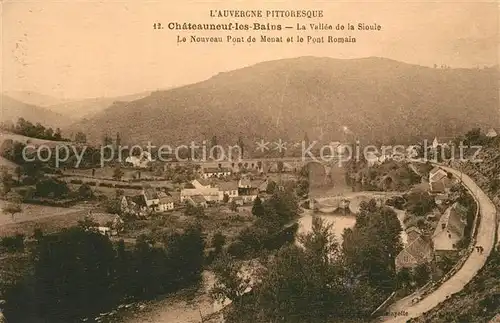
{"x": 190, "y": 307}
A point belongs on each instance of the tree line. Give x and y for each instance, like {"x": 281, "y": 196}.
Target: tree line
{"x": 28, "y": 129}
{"x": 318, "y": 279}
{"x": 78, "y": 273}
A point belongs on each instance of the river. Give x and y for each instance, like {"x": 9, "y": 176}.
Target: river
{"x": 176, "y": 310}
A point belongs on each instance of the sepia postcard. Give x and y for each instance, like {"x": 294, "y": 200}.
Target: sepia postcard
{"x": 249, "y": 161}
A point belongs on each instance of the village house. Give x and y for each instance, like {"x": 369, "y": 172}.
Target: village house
{"x": 165, "y": 203}
{"x": 141, "y": 161}
{"x": 210, "y": 172}
{"x": 450, "y": 229}
{"x": 244, "y": 183}
{"x": 238, "y": 200}
{"x": 418, "y": 250}
{"x": 491, "y": 133}
{"x": 202, "y": 183}
{"x": 439, "y": 181}
{"x": 107, "y": 224}
{"x": 261, "y": 185}
{"x": 151, "y": 198}
{"x": 228, "y": 188}
{"x": 437, "y": 143}
{"x": 211, "y": 194}
{"x": 197, "y": 200}
{"x": 176, "y": 198}
{"x": 148, "y": 202}
{"x": 247, "y": 191}
{"x": 134, "y": 206}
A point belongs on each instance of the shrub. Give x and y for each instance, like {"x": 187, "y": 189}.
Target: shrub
{"x": 13, "y": 243}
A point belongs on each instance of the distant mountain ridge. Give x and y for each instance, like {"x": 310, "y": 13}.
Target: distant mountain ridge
{"x": 74, "y": 109}
{"x": 377, "y": 99}
{"x": 11, "y": 110}
{"x": 34, "y": 98}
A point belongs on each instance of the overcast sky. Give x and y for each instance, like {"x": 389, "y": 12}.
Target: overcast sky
{"x": 71, "y": 49}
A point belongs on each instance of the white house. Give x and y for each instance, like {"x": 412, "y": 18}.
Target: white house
{"x": 372, "y": 158}
{"x": 166, "y": 203}
{"x": 209, "y": 172}
{"x": 228, "y": 188}
{"x": 107, "y": 224}
{"x": 450, "y": 229}
{"x": 245, "y": 182}
{"x": 491, "y": 133}
{"x": 202, "y": 183}
{"x": 210, "y": 194}
{"x": 141, "y": 161}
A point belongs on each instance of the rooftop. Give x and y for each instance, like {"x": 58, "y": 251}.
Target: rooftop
{"x": 227, "y": 186}
{"x": 453, "y": 220}
{"x": 150, "y": 194}
{"x": 198, "y": 199}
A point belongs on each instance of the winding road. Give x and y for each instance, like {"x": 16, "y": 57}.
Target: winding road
{"x": 485, "y": 237}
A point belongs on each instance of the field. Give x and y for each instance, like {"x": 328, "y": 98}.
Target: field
{"x": 217, "y": 218}
{"x": 35, "y": 141}
{"x": 47, "y": 218}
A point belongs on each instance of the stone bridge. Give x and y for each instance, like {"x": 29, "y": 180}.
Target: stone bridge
{"x": 289, "y": 164}
{"x": 344, "y": 200}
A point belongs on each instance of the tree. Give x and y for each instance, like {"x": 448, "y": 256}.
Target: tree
{"x": 57, "y": 135}
{"x": 495, "y": 185}
{"x": 305, "y": 283}
{"x": 271, "y": 187}
{"x": 372, "y": 260}
{"x": 403, "y": 278}
{"x": 419, "y": 203}
{"x": 80, "y": 138}
{"x": 225, "y": 199}
{"x": 118, "y": 140}
{"x": 303, "y": 187}
{"x": 85, "y": 192}
{"x": 113, "y": 206}
{"x": 107, "y": 140}
{"x": 213, "y": 143}
{"x": 49, "y": 133}
{"x": 7, "y": 182}
{"x": 19, "y": 172}
{"x": 421, "y": 274}
{"x": 475, "y": 137}
{"x": 13, "y": 243}
{"x": 53, "y": 188}
{"x": 258, "y": 208}
{"x": 280, "y": 166}
{"x": 242, "y": 146}
{"x": 218, "y": 241}
{"x": 194, "y": 210}
{"x": 13, "y": 204}
{"x": 118, "y": 173}
{"x": 320, "y": 242}
{"x": 230, "y": 282}
{"x": 233, "y": 206}
{"x": 119, "y": 193}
